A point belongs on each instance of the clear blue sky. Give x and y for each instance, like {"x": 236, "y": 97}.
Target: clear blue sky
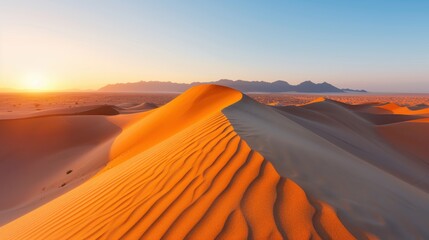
{"x": 371, "y": 44}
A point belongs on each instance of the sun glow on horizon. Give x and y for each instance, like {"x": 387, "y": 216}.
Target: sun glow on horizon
{"x": 36, "y": 82}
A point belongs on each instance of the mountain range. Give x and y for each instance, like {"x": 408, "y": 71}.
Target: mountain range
{"x": 241, "y": 85}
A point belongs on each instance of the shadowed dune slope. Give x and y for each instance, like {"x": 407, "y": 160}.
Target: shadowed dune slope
{"x": 72, "y": 111}
{"x": 340, "y": 158}
{"x": 46, "y": 155}
{"x": 201, "y": 182}
{"x": 359, "y": 135}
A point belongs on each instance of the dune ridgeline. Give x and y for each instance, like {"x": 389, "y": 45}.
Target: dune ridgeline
{"x": 214, "y": 163}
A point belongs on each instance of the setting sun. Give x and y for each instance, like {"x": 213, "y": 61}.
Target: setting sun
{"x": 36, "y": 82}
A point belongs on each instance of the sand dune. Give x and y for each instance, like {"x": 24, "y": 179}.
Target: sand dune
{"x": 105, "y": 110}
{"x": 133, "y": 108}
{"x": 41, "y": 151}
{"x": 394, "y": 108}
{"x": 215, "y": 164}
{"x": 338, "y": 157}
{"x": 410, "y": 137}
{"x": 83, "y": 110}
{"x": 143, "y": 106}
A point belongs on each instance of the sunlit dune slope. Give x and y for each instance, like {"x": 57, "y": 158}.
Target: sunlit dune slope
{"x": 386, "y": 108}
{"x": 197, "y": 179}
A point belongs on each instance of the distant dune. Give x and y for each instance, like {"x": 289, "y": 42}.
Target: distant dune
{"x": 213, "y": 163}
{"x": 243, "y": 86}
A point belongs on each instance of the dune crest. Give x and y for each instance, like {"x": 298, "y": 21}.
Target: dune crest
{"x": 194, "y": 105}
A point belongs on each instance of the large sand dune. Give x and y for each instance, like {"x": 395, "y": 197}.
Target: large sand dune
{"x": 215, "y": 164}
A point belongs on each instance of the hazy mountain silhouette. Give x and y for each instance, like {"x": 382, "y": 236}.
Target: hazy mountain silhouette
{"x": 243, "y": 86}
{"x": 353, "y": 90}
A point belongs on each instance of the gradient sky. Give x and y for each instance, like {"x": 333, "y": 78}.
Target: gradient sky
{"x": 372, "y": 44}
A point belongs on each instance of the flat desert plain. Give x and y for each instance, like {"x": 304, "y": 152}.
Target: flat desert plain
{"x": 213, "y": 162}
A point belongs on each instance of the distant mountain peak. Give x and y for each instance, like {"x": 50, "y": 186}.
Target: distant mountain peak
{"x": 307, "y": 82}
{"x": 280, "y": 81}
